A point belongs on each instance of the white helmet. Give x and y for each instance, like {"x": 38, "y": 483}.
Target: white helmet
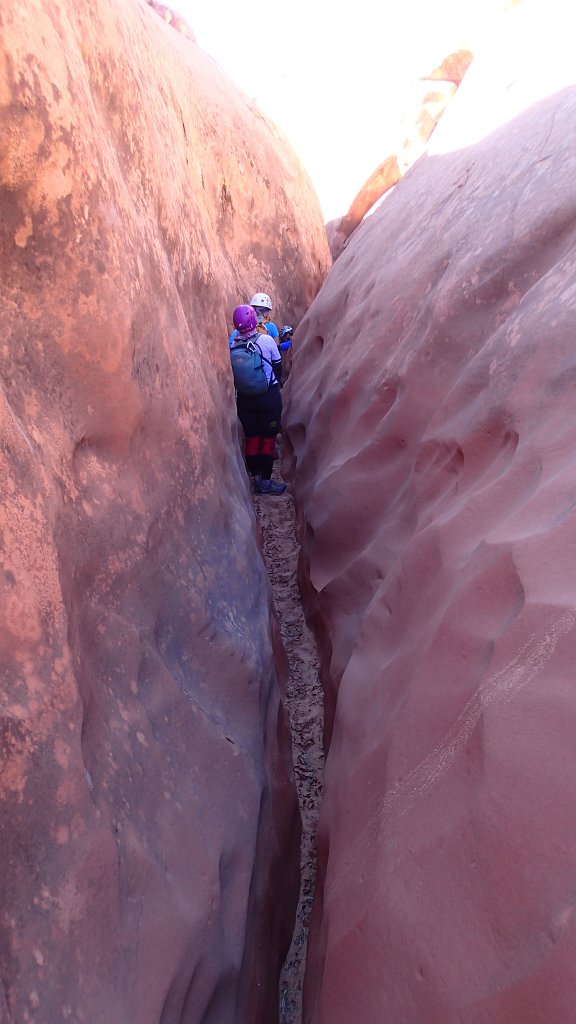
{"x": 261, "y": 299}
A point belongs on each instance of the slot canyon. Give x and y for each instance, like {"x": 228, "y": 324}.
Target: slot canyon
{"x": 305, "y": 758}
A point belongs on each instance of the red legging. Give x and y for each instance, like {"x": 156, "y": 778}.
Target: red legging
{"x": 260, "y": 456}
{"x": 260, "y": 419}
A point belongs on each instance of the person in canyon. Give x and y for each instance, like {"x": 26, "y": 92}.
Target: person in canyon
{"x": 284, "y": 344}
{"x": 259, "y": 414}
{"x": 262, "y": 304}
{"x": 285, "y": 337}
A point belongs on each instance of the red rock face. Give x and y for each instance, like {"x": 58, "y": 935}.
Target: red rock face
{"x": 148, "y": 854}
{"x": 431, "y": 416}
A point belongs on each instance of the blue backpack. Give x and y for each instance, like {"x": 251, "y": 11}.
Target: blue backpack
{"x": 248, "y": 367}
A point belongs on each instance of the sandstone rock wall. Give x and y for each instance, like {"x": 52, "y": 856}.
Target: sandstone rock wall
{"x": 431, "y": 419}
{"x": 143, "y": 749}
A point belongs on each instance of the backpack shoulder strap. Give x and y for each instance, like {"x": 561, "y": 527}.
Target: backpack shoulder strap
{"x": 262, "y": 356}
{"x": 243, "y": 342}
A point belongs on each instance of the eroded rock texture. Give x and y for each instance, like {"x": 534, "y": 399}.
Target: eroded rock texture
{"x": 147, "y": 815}
{"x": 431, "y": 415}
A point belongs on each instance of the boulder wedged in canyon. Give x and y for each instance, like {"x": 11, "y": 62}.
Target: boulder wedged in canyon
{"x": 428, "y": 100}
{"x": 172, "y": 19}
{"x": 431, "y": 416}
{"x": 149, "y": 828}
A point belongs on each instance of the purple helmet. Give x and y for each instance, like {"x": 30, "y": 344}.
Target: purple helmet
{"x": 245, "y": 319}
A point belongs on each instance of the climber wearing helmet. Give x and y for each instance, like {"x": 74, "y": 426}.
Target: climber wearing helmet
{"x": 259, "y": 413}
{"x": 285, "y": 337}
{"x": 262, "y": 304}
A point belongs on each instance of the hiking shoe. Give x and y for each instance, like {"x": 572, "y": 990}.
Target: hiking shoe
{"x": 270, "y": 487}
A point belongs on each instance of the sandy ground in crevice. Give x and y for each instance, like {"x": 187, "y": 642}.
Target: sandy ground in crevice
{"x": 304, "y": 700}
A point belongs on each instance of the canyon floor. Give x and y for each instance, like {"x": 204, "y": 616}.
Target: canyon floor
{"x": 276, "y": 517}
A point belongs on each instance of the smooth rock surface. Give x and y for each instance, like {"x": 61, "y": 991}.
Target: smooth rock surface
{"x": 148, "y": 856}
{"x": 431, "y": 417}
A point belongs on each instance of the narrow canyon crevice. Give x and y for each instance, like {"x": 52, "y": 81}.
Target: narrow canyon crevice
{"x": 304, "y": 702}
{"x": 161, "y": 725}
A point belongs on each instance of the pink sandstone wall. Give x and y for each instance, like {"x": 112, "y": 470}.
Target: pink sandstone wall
{"x": 433, "y": 435}
{"x": 147, "y": 816}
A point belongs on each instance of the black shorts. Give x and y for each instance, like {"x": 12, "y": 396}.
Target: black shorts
{"x": 260, "y": 414}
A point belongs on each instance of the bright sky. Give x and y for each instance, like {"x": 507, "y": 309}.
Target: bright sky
{"x": 334, "y": 81}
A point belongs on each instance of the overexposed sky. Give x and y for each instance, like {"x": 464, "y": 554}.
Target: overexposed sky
{"x": 334, "y": 82}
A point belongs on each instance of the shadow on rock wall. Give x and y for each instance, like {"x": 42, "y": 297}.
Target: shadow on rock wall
{"x": 148, "y": 819}
{"x": 431, "y": 423}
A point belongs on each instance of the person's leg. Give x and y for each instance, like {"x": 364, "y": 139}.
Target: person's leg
{"x": 249, "y": 418}
{"x": 252, "y": 456}
{"x": 268, "y": 425}
{"x": 267, "y": 445}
